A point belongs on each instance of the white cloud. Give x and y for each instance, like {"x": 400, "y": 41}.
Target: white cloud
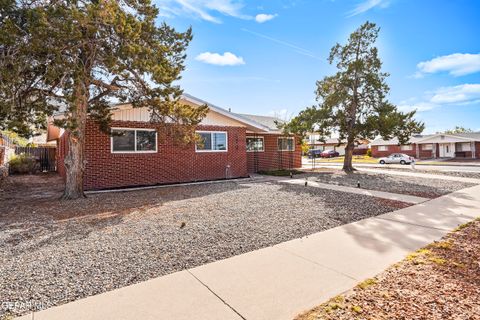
{"x": 465, "y": 93}
{"x": 263, "y": 17}
{"x": 366, "y": 5}
{"x": 203, "y": 9}
{"x": 457, "y": 64}
{"x": 454, "y": 95}
{"x": 225, "y": 59}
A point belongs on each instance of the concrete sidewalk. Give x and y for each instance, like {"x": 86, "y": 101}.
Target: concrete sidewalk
{"x": 281, "y": 281}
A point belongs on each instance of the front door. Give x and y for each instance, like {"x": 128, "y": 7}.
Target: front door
{"x": 447, "y": 150}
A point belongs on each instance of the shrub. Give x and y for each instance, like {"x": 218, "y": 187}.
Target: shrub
{"x": 369, "y": 152}
{"x": 23, "y": 163}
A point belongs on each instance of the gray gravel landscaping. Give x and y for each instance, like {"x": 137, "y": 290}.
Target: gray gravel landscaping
{"x": 56, "y": 251}
{"x": 462, "y": 174}
{"x": 421, "y": 187}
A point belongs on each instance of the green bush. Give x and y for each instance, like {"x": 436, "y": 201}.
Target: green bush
{"x": 369, "y": 152}
{"x": 23, "y": 163}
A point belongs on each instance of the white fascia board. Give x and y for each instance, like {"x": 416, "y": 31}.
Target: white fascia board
{"x": 225, "y": 112}
{"x": 436, "y": 139}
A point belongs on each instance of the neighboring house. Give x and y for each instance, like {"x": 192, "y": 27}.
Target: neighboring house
{"x": 234, "y": 146}
{"x": 313, "y": 142}
{"x": 458, "y": 145}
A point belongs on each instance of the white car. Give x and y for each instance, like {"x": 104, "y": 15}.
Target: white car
{"x": 400, "y": 158}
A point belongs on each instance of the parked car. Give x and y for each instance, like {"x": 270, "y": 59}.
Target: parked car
{"x": 314, "y": 153}
{"x": 329, "y": 154}
{"x": 400, "y": 158}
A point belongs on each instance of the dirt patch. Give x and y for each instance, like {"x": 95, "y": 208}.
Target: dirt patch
{"x": 440, "y": 281}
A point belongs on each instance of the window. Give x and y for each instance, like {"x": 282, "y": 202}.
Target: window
{"x": 255, "y": 144}
{"x": 134, "y": 140}
{"x": 382, "y": 148}
{"x": 427, "y": 146}
{"x": 215, "y": 141}
{"x": 464, "y": 146}
{"x": 286, "y": 144}
{"x": 406, "y": 147}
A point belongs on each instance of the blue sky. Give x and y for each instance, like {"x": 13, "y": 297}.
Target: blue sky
{"x": 263, "y": 57}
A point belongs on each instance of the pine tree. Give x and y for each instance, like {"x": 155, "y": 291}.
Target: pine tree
{"x": 79, "y": 57}
{"x": 352, "y": 103}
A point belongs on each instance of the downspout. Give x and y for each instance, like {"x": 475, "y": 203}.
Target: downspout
{"x": 227, "y": 171}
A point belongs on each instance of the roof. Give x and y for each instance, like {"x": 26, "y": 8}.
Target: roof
{"x": 468, "y": 136}
{"x": 236, "y": 116}
{"x": 265, "y": 121}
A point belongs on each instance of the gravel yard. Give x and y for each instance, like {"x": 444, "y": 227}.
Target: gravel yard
{"x": 474, "y": 175}
{"x": 421, "y": 187}
{"x": 57, "y": 251}
{"x": 441, "y": 281}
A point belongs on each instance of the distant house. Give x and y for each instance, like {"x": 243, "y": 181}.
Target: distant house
{"x": 313, "y": 142}
{"x": 458, "y": 145}
{"x": 234, "y": 145}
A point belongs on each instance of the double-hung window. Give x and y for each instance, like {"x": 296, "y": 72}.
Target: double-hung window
{"x": 286, "y": 144}
{"x": 383, "y": 148}
{"x": 212, "y": 141}
{"x": 255, "y": 144}
{"x": 134, "y": 140}
{"x": 406, "y": 147}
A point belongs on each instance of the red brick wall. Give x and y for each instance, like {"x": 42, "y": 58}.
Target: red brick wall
{"x": 170, "y": 164}
{"x": 477, "y": 150}
{"x": 393, "y": 149}
{"x": 271, "y": 158}
{"x": 423, "y": 154}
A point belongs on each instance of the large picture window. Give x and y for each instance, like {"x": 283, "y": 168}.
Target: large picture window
{"x": 255, "y": 144}
{"x": 212, "y": 141}
{"x": 427, "y": 146}
{"x": 134, "y": 140}
{"x": 286, "y": 144}
{"x": 382, "y": 148}
{"x": 406, "y": 147}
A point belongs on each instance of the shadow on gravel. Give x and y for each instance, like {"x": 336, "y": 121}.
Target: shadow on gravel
{"x": 31, "y": 207}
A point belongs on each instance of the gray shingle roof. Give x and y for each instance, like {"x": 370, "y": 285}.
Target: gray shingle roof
{"x": 266, "y": 121}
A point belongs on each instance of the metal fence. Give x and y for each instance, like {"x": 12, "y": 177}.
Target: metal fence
{"x": 45, "y": 156}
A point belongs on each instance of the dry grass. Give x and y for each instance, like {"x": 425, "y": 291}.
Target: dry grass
{"x": 440, "y": 281}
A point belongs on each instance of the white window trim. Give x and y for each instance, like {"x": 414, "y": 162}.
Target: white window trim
{"x": 290, "y": 138}
{"x": 263, "y": 143}
{"x": 406, "y": 147}
{"x": 424, "y": 147}
{"x": 207, "y": 131}
{"x": 383, "y": 148}
{"x": 135, "y": 138}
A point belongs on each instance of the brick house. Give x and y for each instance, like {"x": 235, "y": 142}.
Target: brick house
{"x": 458, "y": 145}
{"x": 143, "y": 154}
{"x": 313, "y": 142}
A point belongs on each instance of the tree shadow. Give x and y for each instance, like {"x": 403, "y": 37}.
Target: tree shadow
{"x": 33, "y": 214}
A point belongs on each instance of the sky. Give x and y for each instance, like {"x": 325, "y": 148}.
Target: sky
{"x": 264, "y": 57}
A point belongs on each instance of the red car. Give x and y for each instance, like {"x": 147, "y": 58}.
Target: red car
{"x": 329, "y": 154}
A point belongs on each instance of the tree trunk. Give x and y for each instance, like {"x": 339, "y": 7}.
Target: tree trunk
{"x": 75, "y": 159}
{"x": 347, "y": 161}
